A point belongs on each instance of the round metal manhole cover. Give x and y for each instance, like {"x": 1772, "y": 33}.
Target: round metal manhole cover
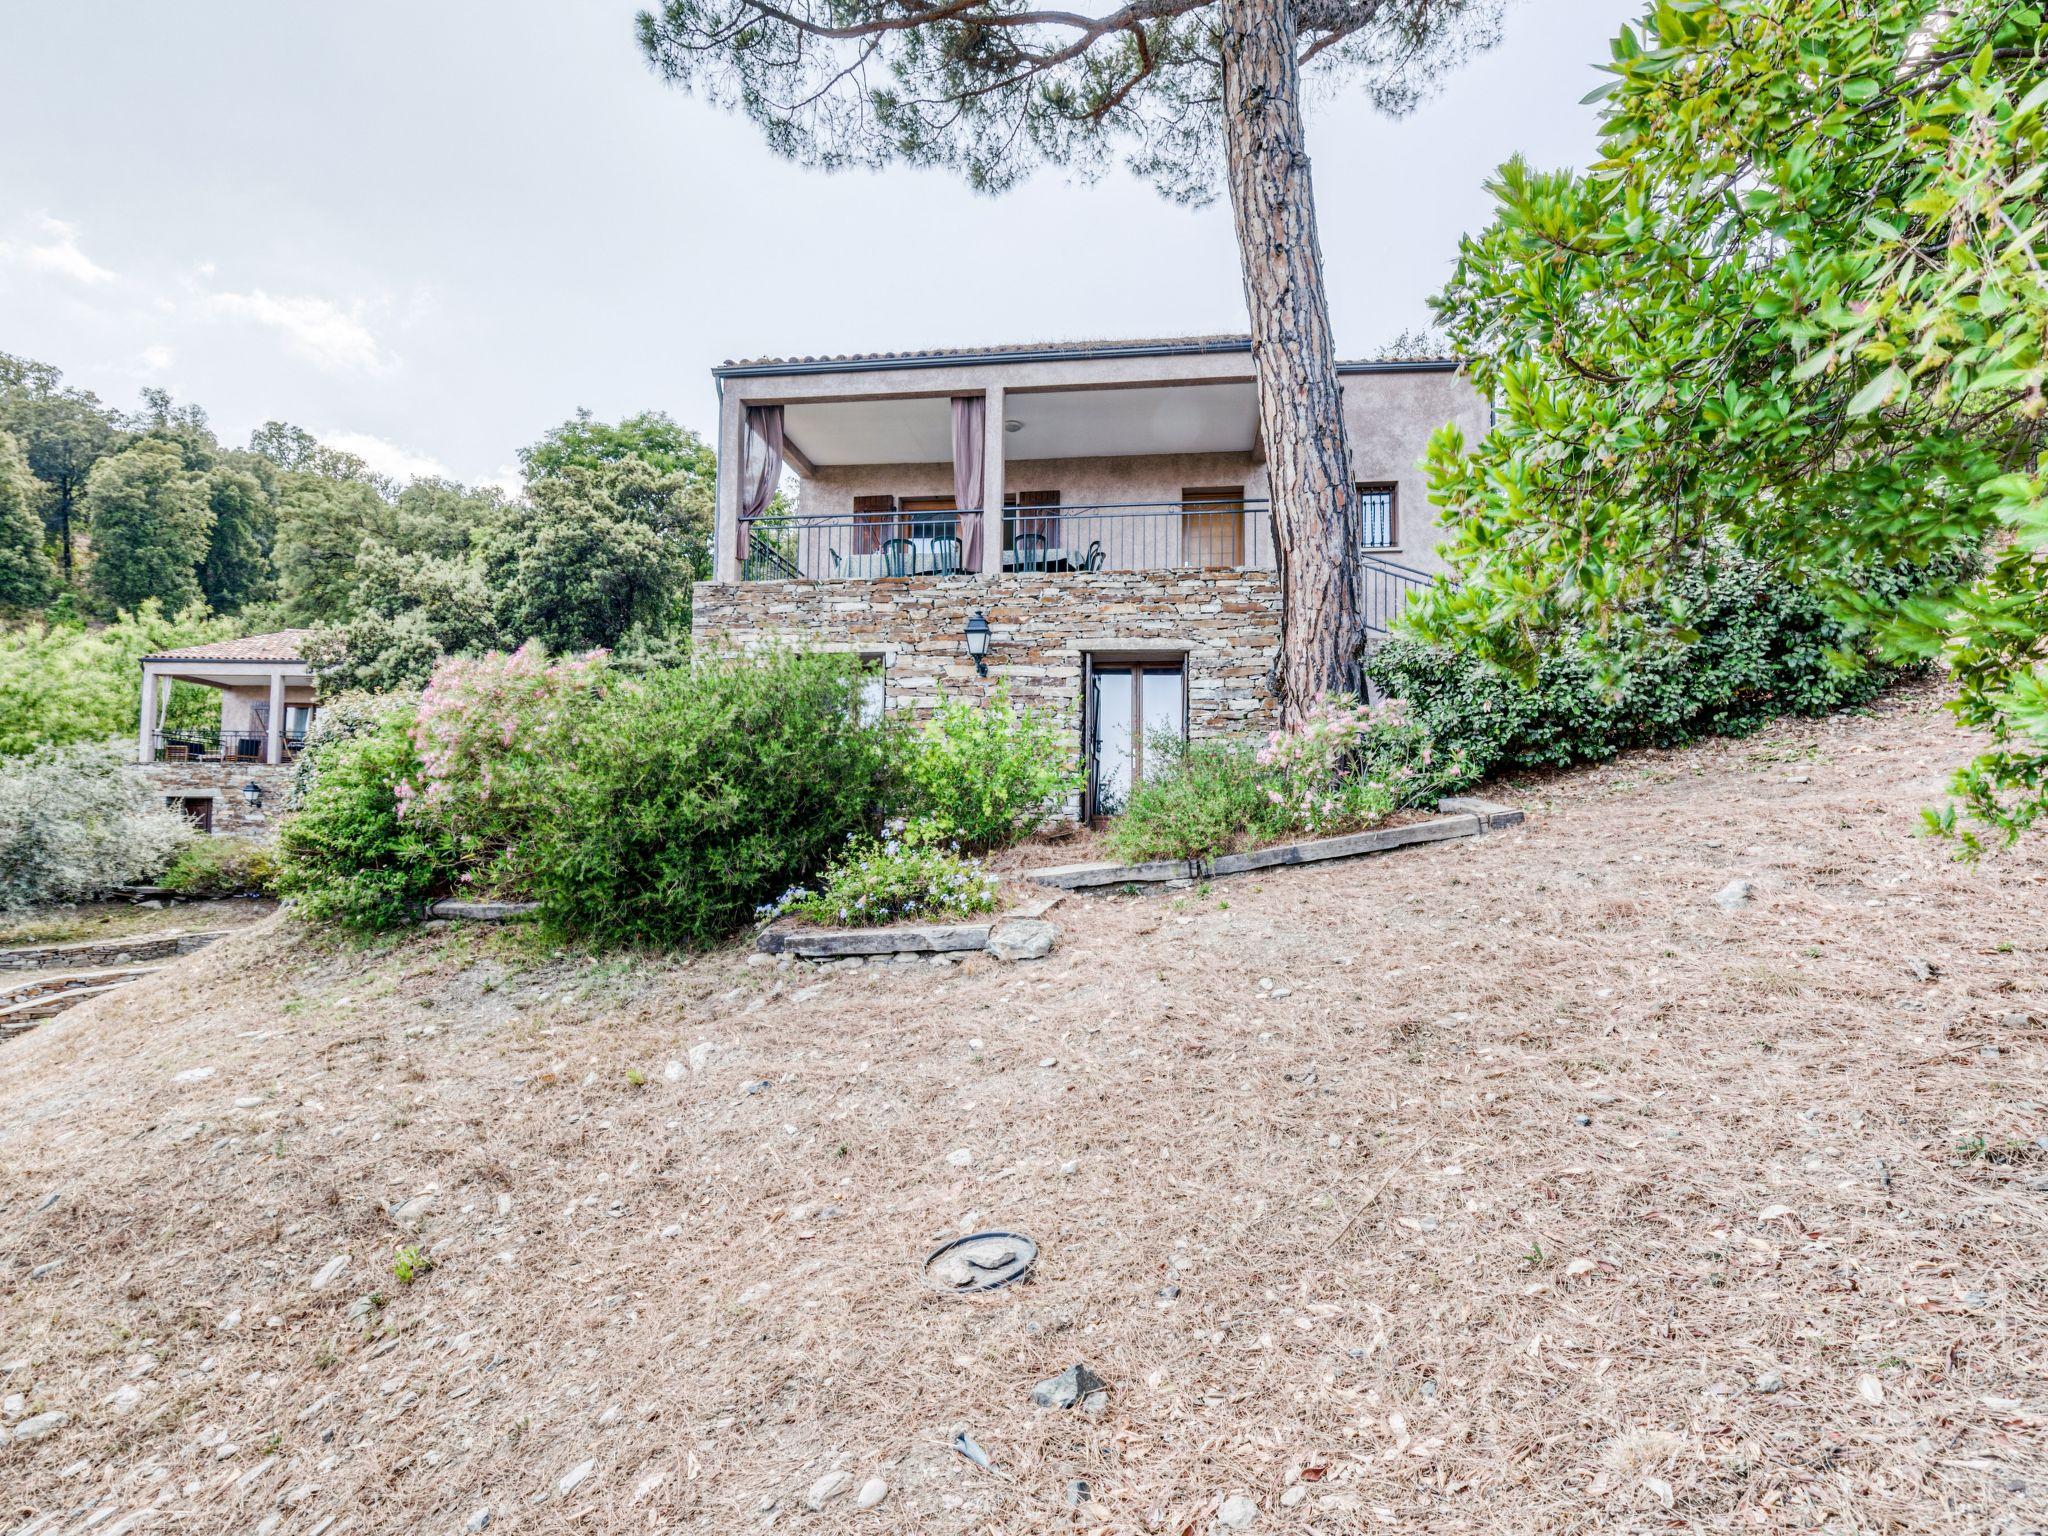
{"x": 981, "y": 1261}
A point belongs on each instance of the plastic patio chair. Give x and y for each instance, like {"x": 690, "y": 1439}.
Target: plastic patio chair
{"x": 1029, "y": 548}
{"x": 1092, "y": 561}
{"x": 897, "y": 557}
{"x": 947, "y": 554}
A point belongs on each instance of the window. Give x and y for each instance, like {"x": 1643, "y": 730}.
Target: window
{"x": 928, "y": 517}
{"x": 874, "y": 689}
{"x": 298, "y": 719}
{"x": 1212, "y": 533}
{"x": 1132, "y": 703}
{"x": 1376, "y": 509}
{"x": 196, "y": 809}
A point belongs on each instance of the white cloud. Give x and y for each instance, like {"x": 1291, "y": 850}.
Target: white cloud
{"x": 156, "y": 359}
{"x": 386, "y": 457}
{"x": 58, "y": 252}
{"x": 510, "y": 479}
{"x": 322, "y": 332}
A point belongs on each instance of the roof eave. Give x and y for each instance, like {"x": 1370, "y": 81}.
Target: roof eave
{"x": 787, "y": 367}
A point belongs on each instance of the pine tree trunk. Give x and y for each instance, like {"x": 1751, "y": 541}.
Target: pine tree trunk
{"x": 1301, "y": 415}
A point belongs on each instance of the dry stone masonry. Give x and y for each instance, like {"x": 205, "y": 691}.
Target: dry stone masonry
{"x": 1226, "y": 623}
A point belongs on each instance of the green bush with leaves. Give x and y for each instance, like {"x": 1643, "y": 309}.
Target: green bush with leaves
{"x": 75, "y": 821}
{"x": 706, "y": 792}
{"x": 890, "y": 882}
{"x": 1752, "y": 647}
{"x": 348, "y": 852}
{"x": 1203, "y": 798}
{"x": 1347, "y": 766}
{"x": 221, "y": 866}
{"x": 984, "y": 774}
{"x": 1794, "y": 308}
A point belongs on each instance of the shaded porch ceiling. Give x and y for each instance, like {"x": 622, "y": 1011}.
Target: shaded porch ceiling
{"x": 1050, "y": 424}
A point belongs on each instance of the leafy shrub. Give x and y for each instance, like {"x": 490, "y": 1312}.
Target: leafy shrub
{"x": 1755, "y": 647}
{"x": 348, "y": 853}
{"x": 703, "y": 793}
{"x": 75, "y": 821}
{"x": 1206, "y": 797}
{"x": 342, "y": 717}
{"x": 221, "y": 866}
{"x": 495, "y": 736}
{"x": 1347, "y": 766}
{"x": 872, "y": 883}
{"x": 984, "y": 775}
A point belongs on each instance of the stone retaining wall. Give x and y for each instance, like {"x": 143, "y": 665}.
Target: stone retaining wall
{"x": 222, "y": 784}
{"x": 90, "y": 954}
{"x": 1225, "y": 621}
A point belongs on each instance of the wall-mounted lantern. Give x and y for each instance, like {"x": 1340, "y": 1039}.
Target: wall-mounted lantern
{"x": 252, "y": 795}
{"x": 977, "y": 642}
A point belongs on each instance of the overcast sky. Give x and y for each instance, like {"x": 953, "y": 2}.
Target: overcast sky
{"x": 428, "y": 231}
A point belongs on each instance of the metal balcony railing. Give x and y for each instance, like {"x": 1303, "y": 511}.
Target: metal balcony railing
{"x": 210, "y": 744}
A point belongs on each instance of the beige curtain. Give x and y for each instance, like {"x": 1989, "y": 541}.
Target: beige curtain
{"x": 970, "y": 426}
{"x": 760, "y": 469}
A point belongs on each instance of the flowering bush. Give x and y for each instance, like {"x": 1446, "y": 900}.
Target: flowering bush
{"x": 984, "y": 774}
{"x": 1350, "y": 763}
{"x": 74, "y": 821}
{"x": 872, "y": 883}
{"x": 494, "y": 735}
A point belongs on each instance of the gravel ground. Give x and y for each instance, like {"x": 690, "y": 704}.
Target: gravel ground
{"x": 1511, "y": 1185}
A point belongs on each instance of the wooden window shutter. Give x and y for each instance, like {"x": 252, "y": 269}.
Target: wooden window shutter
{"x": 1046, "y": 525}
{"x": 874, "y": 520}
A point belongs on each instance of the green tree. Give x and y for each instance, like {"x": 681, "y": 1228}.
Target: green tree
{"x": 577, "y": 570}
{"x": 151, "y": 522}
{"x": 323, "y": 525}
{"x": 1796, "y": 309}
{"x": 664, "y": 475}
{"x": 26, "y": 578}
{"x": 993, "y": 89}
{"x": 64, "y": 682}
{"x": 63, "y": 432}
{"x": 236, "y": 569}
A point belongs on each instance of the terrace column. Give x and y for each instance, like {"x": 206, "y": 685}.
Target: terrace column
{"x": 273, "y": 735}
{"x": 725, "y": 561}
{"x": 994, "y": 438}
{"x": 145, "y": 738}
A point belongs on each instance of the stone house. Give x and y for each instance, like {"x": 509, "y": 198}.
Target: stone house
{"x": 231, "y": 777}
{"x": 1099, "y": 507}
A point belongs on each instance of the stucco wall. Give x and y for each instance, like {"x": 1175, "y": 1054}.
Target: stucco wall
{"x": 1226, "y": 623}
{"x": 222, "y": 784}
{"x": 1389, "y": 418}
{"x": 238, "y": 704}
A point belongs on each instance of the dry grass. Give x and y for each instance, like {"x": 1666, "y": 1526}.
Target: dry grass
{"x": 1410, "y": 1284}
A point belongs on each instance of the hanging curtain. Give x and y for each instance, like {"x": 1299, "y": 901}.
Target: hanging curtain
{"x": 970, "y": 425}
{"x": 760, "y": 469}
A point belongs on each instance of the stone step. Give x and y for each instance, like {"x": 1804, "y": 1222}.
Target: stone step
{"x": 39, "y": 984}
{"x": 88, "y": 953}
{"x": 26, "y": 1016}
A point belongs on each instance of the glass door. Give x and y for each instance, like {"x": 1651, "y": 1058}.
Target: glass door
{"x": 1134, "y": 705}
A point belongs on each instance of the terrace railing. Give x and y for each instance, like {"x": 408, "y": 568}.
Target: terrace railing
{"x": 1384, "y": 588}
{"x": 859, "y": 547}
{"x": 1064, "y": 540}
{"x": 210, "y": 744}
{"x": 1138, "y": 536}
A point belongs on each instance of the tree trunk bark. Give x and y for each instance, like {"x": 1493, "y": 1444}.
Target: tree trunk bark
{"x": 1301, "y": 403}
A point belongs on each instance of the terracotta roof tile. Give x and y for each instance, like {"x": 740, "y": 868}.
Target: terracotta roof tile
{"x": 281, "y": 645}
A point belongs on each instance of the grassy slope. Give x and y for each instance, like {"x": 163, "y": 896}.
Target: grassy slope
{"x": 1399, "y": 1258}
